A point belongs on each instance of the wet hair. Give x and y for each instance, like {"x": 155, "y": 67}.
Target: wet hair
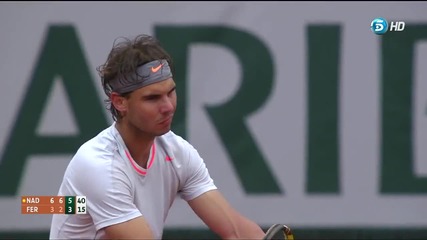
{"x": 124, "y": 59}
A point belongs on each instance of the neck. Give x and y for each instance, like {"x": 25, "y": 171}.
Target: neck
{"x": 137, "y": 142}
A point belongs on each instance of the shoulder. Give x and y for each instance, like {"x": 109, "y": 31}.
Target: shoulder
{"x": 98, "y": 151}
{"x": 96, "y": 166}
{"x": 178, "y": 148}
{"x": 173, "y": 143}
{"x": 95, "y": 157}
{"x": 173, "y": 140}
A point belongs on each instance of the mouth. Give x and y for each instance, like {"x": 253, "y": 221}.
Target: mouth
{"x": 167, "y": 120}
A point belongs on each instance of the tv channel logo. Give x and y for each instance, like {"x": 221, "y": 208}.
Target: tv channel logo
{"x": 380, "y": 26}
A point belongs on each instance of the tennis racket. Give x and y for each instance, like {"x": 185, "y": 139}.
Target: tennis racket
{"x": 278, "y": 232}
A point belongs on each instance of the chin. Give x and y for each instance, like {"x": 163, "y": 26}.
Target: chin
{"x": 162, "y": 132}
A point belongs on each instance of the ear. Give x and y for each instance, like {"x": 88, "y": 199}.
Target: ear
{"x": 119, "y": 102}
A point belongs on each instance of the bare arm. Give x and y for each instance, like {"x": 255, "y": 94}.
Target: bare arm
{"x": 136, "y": 228}
{"x": 223, "y": 219}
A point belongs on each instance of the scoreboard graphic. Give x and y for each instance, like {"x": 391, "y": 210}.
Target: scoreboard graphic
{"x": 53, "y": 205}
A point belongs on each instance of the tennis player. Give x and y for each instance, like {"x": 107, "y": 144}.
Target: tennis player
{"x": 132, "y": 171}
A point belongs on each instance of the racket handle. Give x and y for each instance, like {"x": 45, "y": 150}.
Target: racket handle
{"x": 288, "y": 233}
{"x": 279, "y": 231}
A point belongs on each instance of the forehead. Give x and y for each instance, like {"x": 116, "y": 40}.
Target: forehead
{"x": 157, "y": 88}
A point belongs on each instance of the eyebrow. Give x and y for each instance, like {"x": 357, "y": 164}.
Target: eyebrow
{"x": 156, "y": 94}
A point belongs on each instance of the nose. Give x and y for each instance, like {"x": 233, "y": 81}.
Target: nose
{"x": 168, "y": 105}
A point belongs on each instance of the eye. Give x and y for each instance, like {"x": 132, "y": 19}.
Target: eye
{"x": 172, "y": 91}
{"x": 151, "y": 97}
